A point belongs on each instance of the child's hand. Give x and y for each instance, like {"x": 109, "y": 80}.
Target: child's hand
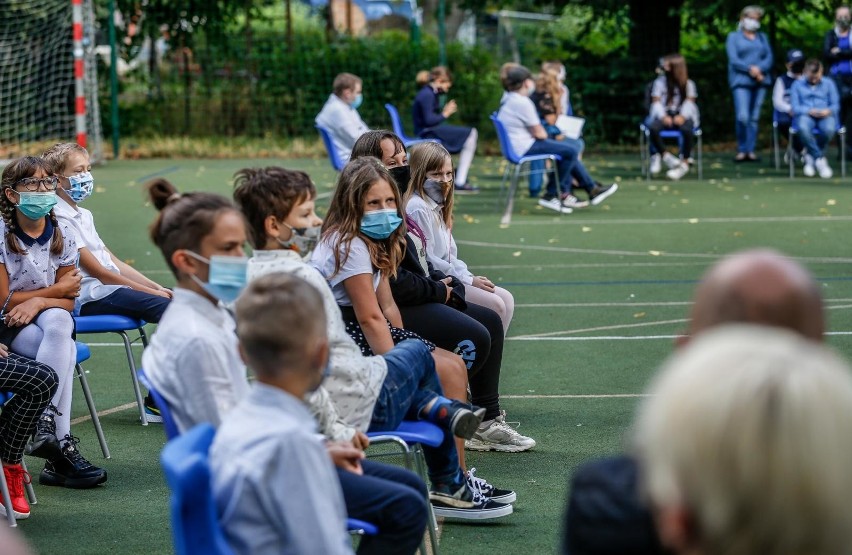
{"x": 483, "y": 283}
{"x": 69, "y": 284}
{"x": 4, "y": 351}
{"x": 450, "y": 108}
{"x": 160, "y": 292}
{"x": 24, "y": 313}
{"x": 360, "y": 440}
{"x": 345, "y": 456}
{"x": 446, "y": 281}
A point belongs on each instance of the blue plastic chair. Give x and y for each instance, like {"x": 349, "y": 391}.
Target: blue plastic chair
{"x": 516, "y": 162}
{"x": 169, "y": 424}
{"x": 396, "y": 125}
{"x": 120, "y": 325}
{"x": 195, "y": 525}
{"x": 409, "y": 438}
{"x": 670, "y": 134}
{"x": 794, "y": 130}
{"x": 333, "y": 156}
{"x": 6, "y": 498}
{"x": 83, "y": 354}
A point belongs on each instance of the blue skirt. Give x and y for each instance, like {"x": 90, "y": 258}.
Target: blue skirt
{"x": 451, "y": 136}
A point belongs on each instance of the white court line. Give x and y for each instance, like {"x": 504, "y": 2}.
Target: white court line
{"x": 666, "y": 221}
{"x": 624, "y": 337}
{"x": 649, "y": 303}
{"x": 523, "y": 246}
{"x": 579, "y": 396}
{"x": 104, "y": 412}
{"x": 600, "y": 328}
{"x": 594, "y": 265}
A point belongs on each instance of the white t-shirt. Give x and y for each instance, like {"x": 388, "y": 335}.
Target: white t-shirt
{"x": 357, "y": 262}
{"x": 518, "y": 114}
{"x": 82, "y": 224}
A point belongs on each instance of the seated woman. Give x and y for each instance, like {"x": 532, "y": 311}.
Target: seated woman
{"x": 673, "y": 96}
{"x": 429, "y": 120}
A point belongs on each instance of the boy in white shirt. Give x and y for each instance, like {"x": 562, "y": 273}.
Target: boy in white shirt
{"x": 340, "y": 114}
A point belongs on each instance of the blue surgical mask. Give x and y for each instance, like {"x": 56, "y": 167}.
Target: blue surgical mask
{"x": 82, "y": 185}
{"x": 36, "y": 206}
{"x": 303, "y": 239}
{"x": 357, "y": 102}
{"x": 379, "y": 224}
{"x": 227, "y": 277}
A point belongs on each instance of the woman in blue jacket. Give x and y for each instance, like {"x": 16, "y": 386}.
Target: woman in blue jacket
{"x": 749, "y": 64}
{"x": 429, "y": 123}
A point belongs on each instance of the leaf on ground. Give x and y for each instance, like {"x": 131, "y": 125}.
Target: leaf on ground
{"x": 516, "y": 253}
{"x": 831, "y": 202}
{"x": 504, "y": 226}
{"x": 684, "y": 201}
{"x": 639, "y": 315}
{"x": 738, "y": 234}
{"x": 652, "y": 187}
{"x": 553, "y": 240}
{"x": 693, "y": 220}
{"x": 654, "y": 253}
{"x": 130, "y": 261}
{"x": 586, "y": 229}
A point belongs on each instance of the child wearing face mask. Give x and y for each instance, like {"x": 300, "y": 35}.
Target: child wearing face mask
{"x": 110, "y": 285}
{"x": 339, "y": 114}
{"x": 367, "y": 392}
{"x": 837, "y": 56}
{"x": 528, "y": 137}
{"x": 38, "y": 285}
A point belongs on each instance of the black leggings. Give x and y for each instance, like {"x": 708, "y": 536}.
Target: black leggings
{"x": 476, "y": 334}
{"x": 687, "y": 130}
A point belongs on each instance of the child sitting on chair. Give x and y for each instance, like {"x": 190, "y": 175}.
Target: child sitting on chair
{"x": 110, "y": 285}
{"x": 275, "y": 487}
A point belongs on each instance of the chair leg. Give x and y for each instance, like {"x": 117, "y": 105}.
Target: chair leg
{"x": 776, "y": 147}
{"x": 93, "y": 411}
{"x": 7, "y": 500}
{"x": 502, "y": 186}
{"x": 700, "y": 158}
{"x": 510, "y": 199}
{"x": 133, "y": 378}
{"x": 842, "y": 154}
{"x": 643, "y": 153}
{"x": 791, "y": 153}
{"x": 31, "y": 496}
{"x": 144, "y": 337}
{"x": 420, "y": 462}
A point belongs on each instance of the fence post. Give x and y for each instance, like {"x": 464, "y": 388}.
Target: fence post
{"x": 113, "y": 80}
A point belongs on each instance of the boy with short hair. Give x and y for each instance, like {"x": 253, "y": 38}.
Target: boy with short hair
{"x": 274, "y": 484}
{"x": 110, "y": 285}
{"x": 339, "y": 114}
{"x": 816, "y": 104}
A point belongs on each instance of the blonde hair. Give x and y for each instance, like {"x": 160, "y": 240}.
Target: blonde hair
{"x": 425, "y": 158}
{"x": 548, "y": 82}
{"x": 57, "y": 156}
{"x": 747, "y": 429}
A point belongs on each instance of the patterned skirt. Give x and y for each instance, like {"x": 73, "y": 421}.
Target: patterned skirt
{"x": 353, "y": 328}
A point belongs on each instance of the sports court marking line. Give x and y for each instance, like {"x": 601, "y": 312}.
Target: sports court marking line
{"x": 666, "y": 221}
{"x": 523, "y": 246}
{"x": 579, "y": 396}
{"x": 670, "y": 264}
{"x": 625, "y": 337}
{"x": 600, "y": 328}
{"x": 164, "y": 171}
{"x": 649, "y": 303}
{"x": 104, "y": 412}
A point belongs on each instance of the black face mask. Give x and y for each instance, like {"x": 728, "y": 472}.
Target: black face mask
{"x": 402, "y": 175}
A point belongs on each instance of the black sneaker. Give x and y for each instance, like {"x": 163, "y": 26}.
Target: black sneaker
{"x": 461, "y": 419}
{"x": 152, "y": 411}
{"x": 465, "y": 504}
{"x": 601, "y": 192}
{"x": 483, "y": 488}
{"x": 71, "y": 469}
{"x": 44, "y": 443}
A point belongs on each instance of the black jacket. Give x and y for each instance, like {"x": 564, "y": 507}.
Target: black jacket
{"x": 413, "y": 287}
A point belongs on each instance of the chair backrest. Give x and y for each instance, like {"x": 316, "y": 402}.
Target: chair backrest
{"x": 333, "y": 155}
{"x": 195, "y": 526}
{"x": 396, "y": 122}
{"x": 169, "y": 424}
{"x": 503, "y": 137}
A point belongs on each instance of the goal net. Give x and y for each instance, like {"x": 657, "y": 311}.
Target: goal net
{"x": 41, "y": 101}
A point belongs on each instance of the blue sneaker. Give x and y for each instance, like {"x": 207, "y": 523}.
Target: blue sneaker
{"x": 152, "y": 412}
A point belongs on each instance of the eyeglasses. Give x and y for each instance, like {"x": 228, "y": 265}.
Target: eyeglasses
{"x": 35, "y": 183}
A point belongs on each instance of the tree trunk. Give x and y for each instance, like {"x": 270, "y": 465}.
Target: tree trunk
{"x": 655, "y": 31}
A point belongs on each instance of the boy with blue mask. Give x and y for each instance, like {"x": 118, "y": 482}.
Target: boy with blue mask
{"x": 110, "y": 285}
{"x": 340, "y": 115}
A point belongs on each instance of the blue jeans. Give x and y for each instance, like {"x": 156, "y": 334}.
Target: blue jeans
{"x": 569, "y": 167}
{"x": 538, "y": 166}
{"x": 815, "y": 143}
{"x": 410, "y": 385}
{"x": 392, "y": 498}
{"x": 128, "y": 302}
{"x": 747, "y": 103}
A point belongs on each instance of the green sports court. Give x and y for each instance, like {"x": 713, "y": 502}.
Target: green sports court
{"x": 601, "y": 294}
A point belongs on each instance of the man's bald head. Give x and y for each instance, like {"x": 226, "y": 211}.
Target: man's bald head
{"x": 759, "y": 287}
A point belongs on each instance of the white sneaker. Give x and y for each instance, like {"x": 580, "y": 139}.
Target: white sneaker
{"x": 656, "y": 164}
{"x": 671, "y": 160}
{"x": 497, "y": 435}
{"x": 570, "y": 201}
{"x": 823, "y": 168}
{"x": 554, "y": 204}
{"x": 678, "y": 172}
{"x": 808, "y": 169}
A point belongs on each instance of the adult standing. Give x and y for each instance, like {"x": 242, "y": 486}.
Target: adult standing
{"x": 340, "y": 114}
{"x": 749, "y": 64}
{"x": 837, "y": 54}
{"x": 429, "y": 123}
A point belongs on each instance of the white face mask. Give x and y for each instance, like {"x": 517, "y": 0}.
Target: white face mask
{"x": 531, "y": 89}
{"x": 750, "y": 24}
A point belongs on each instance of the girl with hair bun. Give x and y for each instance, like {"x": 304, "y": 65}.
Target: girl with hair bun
{"x": 38, "y": 287}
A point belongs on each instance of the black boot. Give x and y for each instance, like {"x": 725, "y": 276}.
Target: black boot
{"x": 44, "y": 444}
{"x": 71, "y": 469}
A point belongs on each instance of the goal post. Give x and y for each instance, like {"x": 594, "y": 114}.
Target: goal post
{"x": 48, "y": 76}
